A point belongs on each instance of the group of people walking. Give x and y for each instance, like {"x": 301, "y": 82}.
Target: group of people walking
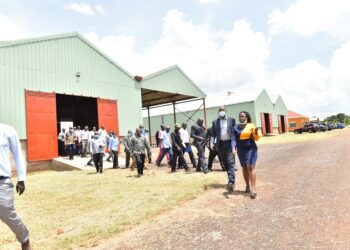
{"x": 225, "y": 138}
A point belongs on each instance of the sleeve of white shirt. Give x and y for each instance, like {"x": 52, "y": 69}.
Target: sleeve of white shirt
{"x": 15, "y": 147}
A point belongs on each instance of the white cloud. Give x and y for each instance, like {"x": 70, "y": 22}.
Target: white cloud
{"x": 204, "y": 2}
{"x": 315, "y": 89}
{"x": 9, "y": 30}
{"x": 307, "y": 17}
{"x": 100, "y": 9}
{"x": 216, "y": 61}
{"x": 83, "y": 8}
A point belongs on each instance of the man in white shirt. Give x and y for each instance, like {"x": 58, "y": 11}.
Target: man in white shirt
{"x": 84, "y": 139}
{"x": 61, "y": 139}
{"x": 185, "y": 137}
{"x": 9, "y": 142}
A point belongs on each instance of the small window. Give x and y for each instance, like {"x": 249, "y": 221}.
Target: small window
{"x": 292, "y": 124}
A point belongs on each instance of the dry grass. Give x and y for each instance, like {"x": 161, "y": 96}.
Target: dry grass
{"x": 291, "y": 137}
{"x": 65, "y": 210}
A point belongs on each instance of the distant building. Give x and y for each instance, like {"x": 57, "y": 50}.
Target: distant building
{"x": 270, "y": 116}
{"x": 296, "y": 120}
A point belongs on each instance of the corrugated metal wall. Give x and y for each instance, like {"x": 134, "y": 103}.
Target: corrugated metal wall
{"x": 263, "y": 103}
{"x": 51, "y": 66}
{"x": 212, "y": 114}
{"x": 280, "y": 108}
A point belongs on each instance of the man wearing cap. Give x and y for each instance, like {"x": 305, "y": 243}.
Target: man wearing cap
{"x": 177, "y": 149}
{"x": 9, "y": 142}
{"x": 222, "y": 131}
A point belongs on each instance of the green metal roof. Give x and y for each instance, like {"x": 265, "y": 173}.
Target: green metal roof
{"x": 61, "y": 36}
{"x": 168, "y": 85}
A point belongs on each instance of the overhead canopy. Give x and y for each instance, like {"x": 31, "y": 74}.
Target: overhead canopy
{"x": 170, "y": 85}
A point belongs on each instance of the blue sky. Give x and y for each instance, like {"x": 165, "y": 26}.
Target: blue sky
{"x": 290, "y": 47}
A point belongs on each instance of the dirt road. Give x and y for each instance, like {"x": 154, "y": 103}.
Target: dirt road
{"x": 303, "y": 203}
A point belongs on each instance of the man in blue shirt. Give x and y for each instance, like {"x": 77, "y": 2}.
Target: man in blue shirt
{"x": 113, "y": 146}
{"x": 9, "y": 142}
{"x": 166, "y": 147}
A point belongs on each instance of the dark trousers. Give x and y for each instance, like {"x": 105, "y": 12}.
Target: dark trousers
{"x": 178, "y": 154}
{"x": 190, "y": 153}
{"x": 212, "y": 155}
{"x": 202, "y": 165}
{"x": 77, "y": 148}
{"x": 98, "y": 161}
{"x": 70, "y": 149}
{"x": 140, "y": 160}
{"x": 61, "y": 148}
{"x": 225, "y": 151}
{"x": 115, "y": 158}
{"x": 127, "y": 159}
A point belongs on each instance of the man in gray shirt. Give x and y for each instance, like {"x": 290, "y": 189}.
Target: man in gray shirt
{"x": 199, "y": 135}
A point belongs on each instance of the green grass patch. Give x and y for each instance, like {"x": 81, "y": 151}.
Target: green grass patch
{"x": 65, "y": 210}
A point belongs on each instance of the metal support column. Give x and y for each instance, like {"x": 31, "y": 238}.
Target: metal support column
{"x": 205, "y": 113}
{"x": 149, "y": 127}
{"x": 174, "y": 113}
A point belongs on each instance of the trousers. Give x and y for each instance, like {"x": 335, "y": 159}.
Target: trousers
{"x": 8, "y": 213}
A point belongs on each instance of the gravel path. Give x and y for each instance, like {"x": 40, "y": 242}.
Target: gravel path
{"x": 303, "y": 202}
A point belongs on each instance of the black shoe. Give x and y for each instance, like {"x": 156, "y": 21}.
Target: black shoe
{"x": 173, "y": 170}
{"x": 206, "y": 171}
{"x": 230, "y": 187}
{"x": 101, "y": 171}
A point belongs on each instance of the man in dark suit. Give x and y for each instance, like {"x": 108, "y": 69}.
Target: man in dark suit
{"x": 222, "y": 140}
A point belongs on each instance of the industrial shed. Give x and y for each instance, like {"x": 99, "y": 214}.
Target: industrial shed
{"x": 265, "y": 114}
{"x": 51, "y": 79}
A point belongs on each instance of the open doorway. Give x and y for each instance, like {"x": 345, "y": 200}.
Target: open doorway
{"x": 283, "y": 124}
{"x": 268, "y": 124}
{"x": 82, "y": 111}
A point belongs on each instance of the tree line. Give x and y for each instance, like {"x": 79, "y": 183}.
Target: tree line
{"x": 339, "y": 118}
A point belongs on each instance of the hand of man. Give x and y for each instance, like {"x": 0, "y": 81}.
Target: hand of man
{"x": 234, "y": 152}
{"x": 20, "y": 187}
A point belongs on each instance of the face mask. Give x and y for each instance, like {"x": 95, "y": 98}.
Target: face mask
{"x": 243, "y": 123}
{"x": 129, "y": 134}
{"x": 222, "y": 113}
{"x": 142, "y": 130}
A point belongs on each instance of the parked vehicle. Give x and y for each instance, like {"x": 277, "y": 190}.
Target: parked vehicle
{"x": 340, "y": 125}
{"x": 316, "y": 125}
{"x": 323, "y": 127}
{"x": 311, "y": 128}
{"x": 332, "y": 126}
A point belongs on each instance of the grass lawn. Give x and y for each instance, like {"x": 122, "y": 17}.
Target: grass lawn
{"x": 291, "y": 137}
{"x": 64, "y": 210}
